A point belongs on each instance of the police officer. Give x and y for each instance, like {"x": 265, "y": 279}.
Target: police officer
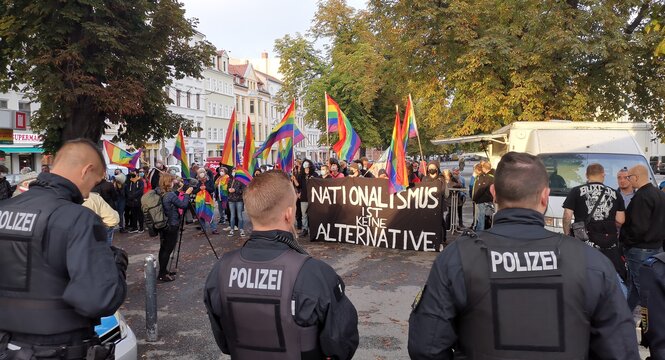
{"x": 57, "y": 274}
{"x": 652, "y": 298}
{"x": 518, "y": 291}
{"x": 270, "y": 299}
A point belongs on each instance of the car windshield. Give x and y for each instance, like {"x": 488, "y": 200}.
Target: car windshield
{"x": 569, "y": 170}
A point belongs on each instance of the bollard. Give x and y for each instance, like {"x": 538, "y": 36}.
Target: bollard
{"x": 151, "y": 298}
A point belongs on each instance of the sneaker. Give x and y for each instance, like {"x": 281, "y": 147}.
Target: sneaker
{"x": 133, "y": 231}
{"x": 140, "y": 231}
{"x": 227, "y": 228}
{"x": 235, "y": 228}
{"x": 231, "y": 233}
{"x": 123, "y": 230}
{"x": 242, "y": 233}
{"x": 215, "y": 232}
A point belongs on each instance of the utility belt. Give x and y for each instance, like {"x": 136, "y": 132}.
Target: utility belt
{"x": 594, "y": 245}
{"x": 91, "y": 349}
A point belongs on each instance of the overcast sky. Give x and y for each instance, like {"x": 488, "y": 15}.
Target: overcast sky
{"x": 248, "y": 27}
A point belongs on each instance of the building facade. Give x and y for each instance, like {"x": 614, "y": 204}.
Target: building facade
{"x": 19, "y": 147}
{"x": 220, "y": 100}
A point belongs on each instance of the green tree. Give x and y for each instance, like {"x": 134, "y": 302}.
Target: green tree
{"x": 95, "y": 61}
{"x": 478, "y": 65}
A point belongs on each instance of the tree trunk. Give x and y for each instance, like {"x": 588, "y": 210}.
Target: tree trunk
{"x": 85, "y": 121}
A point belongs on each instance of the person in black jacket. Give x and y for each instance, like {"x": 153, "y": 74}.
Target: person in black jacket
{"x": 294, "y": 292}
{"x": 643, "y": 232}
{"x": 59, "y": 277}
{"x": 107, "y": 191}
{"x": 519, "y": 291}
{"x": 300, "y": 181}
{"x": 5, "y": 187}
{"x": 134, "y": 192}
{"x": 433, "y": 177}
{"x": 482, "y": 195}
{"x": 168, "y": 237}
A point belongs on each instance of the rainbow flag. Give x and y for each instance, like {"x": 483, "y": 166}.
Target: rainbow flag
{"x": 349, "y": 142}
{"x": 243, "y": 176}
{"x": 284, "y": 129}
{"x": 222, "y": 187}
{"x": 285, "y": 155}
{"x": 180, "y": 153}
{"x": 332, "y": 113}
{"x": 248, "y": 159}
{"x": 230, "y": 154}
{"x": 205, "y": 209}
{"x": 121, "y": 157}
{"x": 410, "y": 118}
{"x": 396, "y": 171}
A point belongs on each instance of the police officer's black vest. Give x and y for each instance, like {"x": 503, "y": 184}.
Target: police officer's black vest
{"x": 257, "y": 308}
{"x": 652, "y": 300}
{"x": 30, "y": 290}
{"x": 525, "y": 299}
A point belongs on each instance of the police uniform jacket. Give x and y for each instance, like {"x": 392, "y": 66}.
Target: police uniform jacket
{"x": 652, "y": 294}
{"x": 75, "y": 278}
{"x": 318, "y": 294}
{"x": 434, "y": 324}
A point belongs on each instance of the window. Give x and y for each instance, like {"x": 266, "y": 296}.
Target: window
{"x": 198, "y": 101}
{"x": 189, "y": 100}
{"x": 215, "y": 133}
{"x": 209, "y": 108}
{"x": 224, "y": 65}
{"x": 24, "y": 107}
{"x": 177, "y": 97}
{"x": 265, "y": 109}
{"x": 207, "y": 83}
{"x": 251, "y": 106}
{"x": 209, "y": 134}
{"x": 214, "y": 109}
{"x": 4, "y": 104}
{"x": 238, "y": 102}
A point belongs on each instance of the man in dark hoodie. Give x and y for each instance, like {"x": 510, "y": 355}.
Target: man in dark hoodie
{"x": 433, "y": 177}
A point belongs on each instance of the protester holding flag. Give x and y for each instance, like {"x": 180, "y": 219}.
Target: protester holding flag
{"x": 236, "y": 204}
{"x": 205, "y": 210}
{"x": 222, "y": 193}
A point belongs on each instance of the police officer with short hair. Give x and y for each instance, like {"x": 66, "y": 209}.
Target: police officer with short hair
{"x": 518, "y": 291}
{"x": 270, "y": 299}
{"x": 652, "y": 298}
{"x": 57, "y": 274}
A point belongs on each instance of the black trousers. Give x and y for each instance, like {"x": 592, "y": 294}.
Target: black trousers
{"x": 136, "y": 217}
{"x": 168, "y": 238}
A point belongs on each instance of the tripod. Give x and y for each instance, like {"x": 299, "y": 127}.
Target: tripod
{"x": 182, "y": 229}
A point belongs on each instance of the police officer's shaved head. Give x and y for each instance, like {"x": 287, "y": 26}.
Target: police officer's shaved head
{"x": 270, "y": 201}
{"x": 520, "y": 181}
{"x": 80, "y": 162}
{"x": 638, "y": 176}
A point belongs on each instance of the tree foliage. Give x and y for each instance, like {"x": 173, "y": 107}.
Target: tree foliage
{"x": 475, "y": 65}
{"x": 91, "y": 61}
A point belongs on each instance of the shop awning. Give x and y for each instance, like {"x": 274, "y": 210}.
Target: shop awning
{"x": 21, "y": 149}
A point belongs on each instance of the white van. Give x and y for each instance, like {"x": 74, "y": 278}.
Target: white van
{"x": 567, "y": 148}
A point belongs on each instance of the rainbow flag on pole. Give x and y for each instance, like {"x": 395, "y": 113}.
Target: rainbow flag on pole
{"x": 205, "y": 210}
{"x": 396, "y": 171}
{"x": 349, "y": 141}
{"x": 410, "y": 118}
{"x": 180, "y": 153}
{"x": 248, "y": 159}
{"x": 284, "y": 129}
{"x": 285, "y": 155}
{"x": 121, "y": 157}
{"x": 230, "y": 154}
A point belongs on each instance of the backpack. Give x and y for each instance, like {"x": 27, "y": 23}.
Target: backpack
{"x": 153, "y": 210}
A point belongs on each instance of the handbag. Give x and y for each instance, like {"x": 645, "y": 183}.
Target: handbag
{"x": 580, "y": 227}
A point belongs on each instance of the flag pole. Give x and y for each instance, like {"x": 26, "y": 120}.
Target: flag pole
{"x": 293, "y": 138}
{"x": 417, "y": 132}
{"x": 325, "y": 102}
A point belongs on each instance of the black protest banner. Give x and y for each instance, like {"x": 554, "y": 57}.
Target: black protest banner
{"x": 361, "y": 211}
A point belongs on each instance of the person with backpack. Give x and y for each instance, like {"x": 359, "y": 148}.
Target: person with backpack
{"x": 168, "y": 236}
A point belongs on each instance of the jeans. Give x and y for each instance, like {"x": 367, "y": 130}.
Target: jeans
{"x": 236, "y": 214}
{"x": 635, "y": 257}
{"x": 221, "y": 206}
{"x": 483, "y": 210}
{"x": 120, "y": 206}
{"x": 109, "y": 236}
{"x": 208, "y": 226}
{"x": 303, "y": 210}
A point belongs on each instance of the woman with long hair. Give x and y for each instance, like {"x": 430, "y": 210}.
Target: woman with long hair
{"x": 168, "y": 236}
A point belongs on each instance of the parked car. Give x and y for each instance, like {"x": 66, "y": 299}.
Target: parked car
{"x": 114, "y": 329}
{"x": 657, "y": 164}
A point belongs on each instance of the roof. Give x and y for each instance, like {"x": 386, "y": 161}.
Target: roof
{"x": 270, "y": 77}
{"x": 239, "y": 70}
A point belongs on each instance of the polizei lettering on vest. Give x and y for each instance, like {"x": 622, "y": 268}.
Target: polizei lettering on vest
{"x": 261, "y": 279}
{"x": 17, "y": 221}
{"x": 524, "y": 261}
